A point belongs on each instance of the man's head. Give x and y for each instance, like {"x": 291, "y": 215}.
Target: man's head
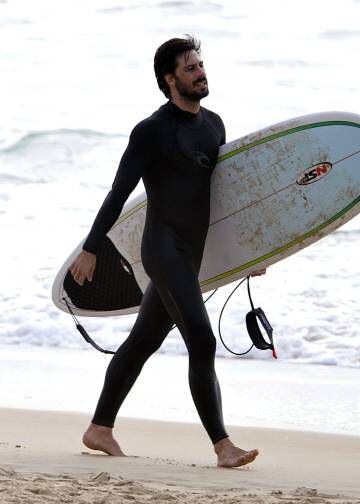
{"x": 179, "y": 69}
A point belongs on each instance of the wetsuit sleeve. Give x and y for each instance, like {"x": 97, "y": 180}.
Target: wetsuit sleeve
{"x": 223, "y": 132}
{"x": 138, "y": 155}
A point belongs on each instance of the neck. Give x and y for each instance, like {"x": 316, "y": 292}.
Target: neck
{"x": 187, "y": 105}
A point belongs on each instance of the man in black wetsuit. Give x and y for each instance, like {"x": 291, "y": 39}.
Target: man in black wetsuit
{"x": 174, "y": 151}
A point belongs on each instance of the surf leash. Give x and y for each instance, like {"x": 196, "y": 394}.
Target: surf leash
{"x": 84, "y": 333}
{"x": 252, "y": 325}
{"x": 251, "y": 319}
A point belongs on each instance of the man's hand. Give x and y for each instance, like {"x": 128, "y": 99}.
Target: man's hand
{"x": 83, "y": 267}
{"x": 258, "y": 272}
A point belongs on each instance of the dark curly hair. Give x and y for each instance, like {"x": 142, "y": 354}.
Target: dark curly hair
{"x": 165, "y": 58}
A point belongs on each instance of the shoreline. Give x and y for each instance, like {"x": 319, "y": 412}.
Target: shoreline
{"x": 177, "y": 457}
{"x": 255, "y": 393}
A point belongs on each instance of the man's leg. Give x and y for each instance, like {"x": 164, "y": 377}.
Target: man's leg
{"x": 180, "y": 292}
{"x": 149, "y": 331}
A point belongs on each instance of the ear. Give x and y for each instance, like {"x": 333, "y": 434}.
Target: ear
{"x": 169, "y": 79}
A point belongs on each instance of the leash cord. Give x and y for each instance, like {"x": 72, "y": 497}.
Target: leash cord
{"x": 89, "y": 340}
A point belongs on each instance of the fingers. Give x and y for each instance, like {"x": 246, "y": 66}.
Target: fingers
{"x": 79, "y": 279}
{"x": 79, "y": 275}
{"x": 91, "y": 272}
{"x": 258, "y": 272}
{"x": 83, "y": 267}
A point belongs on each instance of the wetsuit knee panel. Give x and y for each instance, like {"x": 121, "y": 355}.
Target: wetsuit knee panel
{"x": 201, "y": 341}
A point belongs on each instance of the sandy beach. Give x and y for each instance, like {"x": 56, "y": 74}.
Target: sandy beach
{"x": 43, "y": 460}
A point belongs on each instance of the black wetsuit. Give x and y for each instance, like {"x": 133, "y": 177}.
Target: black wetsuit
{"x": 175, "y": 153}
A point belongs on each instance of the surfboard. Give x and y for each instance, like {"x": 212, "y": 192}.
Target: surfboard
{"x": 273, "y": 193}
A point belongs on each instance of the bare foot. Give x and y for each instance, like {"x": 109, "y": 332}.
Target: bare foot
{"x": 97, "y": 437}
{"x": 230, "y": 455}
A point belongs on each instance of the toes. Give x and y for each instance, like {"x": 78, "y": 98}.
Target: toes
{"x": 249, "y": 457}
{"x": 239, "y": 460}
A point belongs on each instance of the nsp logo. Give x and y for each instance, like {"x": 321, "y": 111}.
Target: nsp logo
{"x": 314, "y": 173}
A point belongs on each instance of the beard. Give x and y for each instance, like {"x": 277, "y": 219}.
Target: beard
{"x": 190, "y": 92}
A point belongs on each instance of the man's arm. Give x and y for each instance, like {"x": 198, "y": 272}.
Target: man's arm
{"x": 223, "y": 133}
{"x": 138, "y": 155}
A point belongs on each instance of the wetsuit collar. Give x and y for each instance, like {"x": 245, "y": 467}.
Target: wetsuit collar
{"x": 185, "y": 117}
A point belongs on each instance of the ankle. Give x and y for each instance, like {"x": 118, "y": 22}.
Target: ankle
{"x": 222, "y": 444}
{"x": 100, "y": 429}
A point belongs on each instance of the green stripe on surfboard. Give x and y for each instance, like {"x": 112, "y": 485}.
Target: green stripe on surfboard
{"x": 284, "y": 247}
{"x": 285, "y": 133}
{"x": 290, "y": 131}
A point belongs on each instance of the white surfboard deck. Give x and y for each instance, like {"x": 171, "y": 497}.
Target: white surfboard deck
{"x": 273, "y": 193}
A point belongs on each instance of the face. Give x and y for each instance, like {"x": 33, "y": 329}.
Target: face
{"x": 189, "y": 79}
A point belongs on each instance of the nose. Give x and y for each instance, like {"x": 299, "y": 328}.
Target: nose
{"x": 201, "y": 72}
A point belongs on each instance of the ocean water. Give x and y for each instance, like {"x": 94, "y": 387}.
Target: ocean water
{"x": 272, "y": 394}
{"x": 77, "y": 76}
